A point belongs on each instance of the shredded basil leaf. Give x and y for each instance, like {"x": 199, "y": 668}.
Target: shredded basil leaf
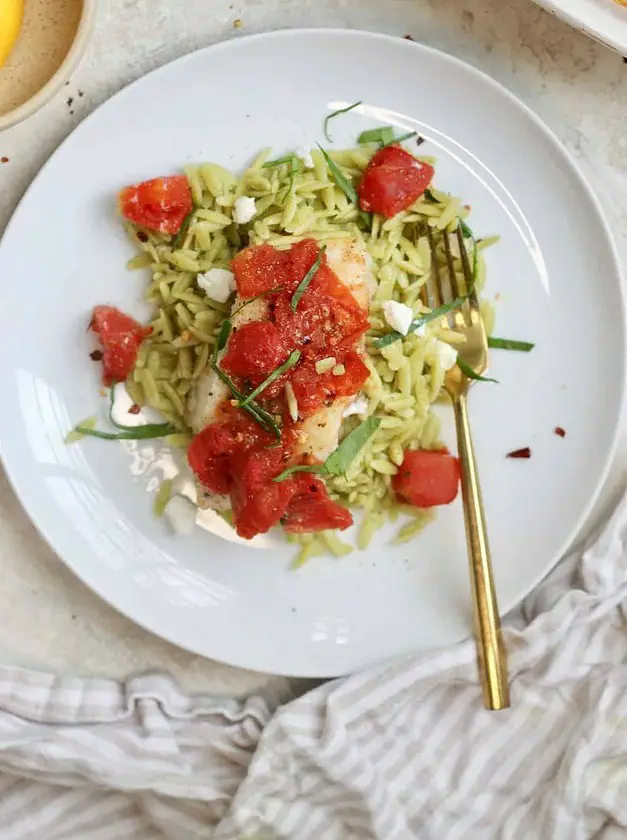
{"x": 292, "y": 359}
{"x": 265, "y": 420}
{"x": 393, "y": 336}
{"x": 335, "y": 114}
{"x": 469, "y": 372}
{"x": 302, "y": 286}
{"x": 272, "y": 291}
{"x": 340, "y": 460}
{"x": 179, "y": 239}
{"x": 510, "y": 344}
{"x": 376, "y": 135}
{"x": 430, "y": 197}
{"x": 223, "y": 337}
{"x": 319, "y": 469}
{"x": 270, "y": 163}
{"x": 146, "y": 432}
{"x": 340, "y": 179}
{"x": 394, "y": 140}
{"x": 466, "y": 231}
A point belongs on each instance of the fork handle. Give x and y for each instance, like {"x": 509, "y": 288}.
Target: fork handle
{"x": 490, "y": 649}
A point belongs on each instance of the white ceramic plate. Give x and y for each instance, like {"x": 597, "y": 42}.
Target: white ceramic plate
{"x": 559, "y": 285}
{"x": 603, "y": 20}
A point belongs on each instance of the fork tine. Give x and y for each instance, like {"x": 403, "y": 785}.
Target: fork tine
{"x": 437, "y": 293}
{"x": 465, "y": 263}
{"x": 451, "y": 267}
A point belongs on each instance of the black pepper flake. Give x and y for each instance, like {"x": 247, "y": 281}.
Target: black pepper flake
{"x": 409, "y": 37}
{"x": 306, "y": 339}
{"x": 559, "y": 431}
{"x": 143, "y": 237}
{"x": 420, "y": 140}
{"x": 70, "y": 101}
{"x": 525, "y": 452}
{"x": 96, "y": 355}
{"x": 81, "y": 94}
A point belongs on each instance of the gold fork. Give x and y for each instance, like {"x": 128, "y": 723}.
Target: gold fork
{"x": 467, "y": 322}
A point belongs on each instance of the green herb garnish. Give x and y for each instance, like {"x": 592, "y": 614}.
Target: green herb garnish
{"x": 302, "y": 286}
{"x": 145, "y": 432}
{"x": 291, "y": 360}
{"x": 339, "y": 461}
{"x": 394, "y": 140}
{"x": 272, "y": 291}
{"x": 470, "y": 373}
{"x": 223, "y": 337}
{"x": 466, "y": 231}
{"x": 260, "y": 415}
{"x": 270, "y": 163}
{"x": 340, "y": 179}
{"x": 376, "y": 135}
{"x": 510, "y": 344}
{"x": 391, "y": 337}
{"x": 430, "y": 197}
{"x": 179, "y": 239}
{"x": 335, "y": 114}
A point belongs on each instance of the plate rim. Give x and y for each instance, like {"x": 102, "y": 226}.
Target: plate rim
{"x": 401, "y": 43}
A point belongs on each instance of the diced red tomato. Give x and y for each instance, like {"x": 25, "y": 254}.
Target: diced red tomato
{"x": 392, "y": 181}
{"x": 255, "y": 350}
{"x": 427, "y": 478}
{"x": 258, "y": 502}
{"x": 313, "y": 390}
{"x": 208, "y": 456}
{"x": 120, "y": 337}
{"x": 311, "y": 509}
{"x": 260, "y": 268}
{"x": 160, "y": 204}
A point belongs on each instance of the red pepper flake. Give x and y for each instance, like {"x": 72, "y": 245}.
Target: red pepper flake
{"x": 559, "y": 431}
{"x": 134, "y": 409}
{"x": 525, "y": 452}
{"x": 4, "y": 160}
{"x": 143, "y": 237}
{"x": 96, "y": 355}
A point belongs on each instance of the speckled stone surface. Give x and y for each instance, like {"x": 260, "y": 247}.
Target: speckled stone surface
{"x": 578, "y": 87}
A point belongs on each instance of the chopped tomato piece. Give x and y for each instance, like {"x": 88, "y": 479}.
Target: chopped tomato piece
{"x": 311, "y": 509}
{"x": 121, "y": 337}
{"x": 160, "y": 204}
{"x": 392, "y": 181}
{"x": 260, "y": 268}
{"x": 313, "y": 390}
{"x": 255, "y": 350}
{"x": 427, "y": 478}
{"x": 258, "y": 502}
{"x": 208, "y": 456}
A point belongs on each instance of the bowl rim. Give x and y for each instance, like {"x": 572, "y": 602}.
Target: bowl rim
{"x": 62, "y": 73}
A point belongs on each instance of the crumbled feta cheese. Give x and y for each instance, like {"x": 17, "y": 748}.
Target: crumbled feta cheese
{"x": 358, "y": 406}
{"x": 244, "y": 209}
{"x": 398, "y": 315}
{"x": 181, "y": 515}
{"x": 121, "y": 409}
{"x": 445, "y": 353}
{"x": 304, "y": 153}
{"x": 217, "y": 283}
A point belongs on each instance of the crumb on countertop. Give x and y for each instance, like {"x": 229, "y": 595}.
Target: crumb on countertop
{"x": 238, "y": 23}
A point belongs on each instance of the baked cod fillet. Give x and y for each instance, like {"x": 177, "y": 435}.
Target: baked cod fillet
{"x": 317, "y": 435}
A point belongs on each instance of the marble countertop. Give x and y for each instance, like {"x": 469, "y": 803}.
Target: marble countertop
{"x": 577, "y": 86}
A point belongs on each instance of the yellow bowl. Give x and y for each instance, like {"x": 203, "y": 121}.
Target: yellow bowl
{"x": 60, "y": 75}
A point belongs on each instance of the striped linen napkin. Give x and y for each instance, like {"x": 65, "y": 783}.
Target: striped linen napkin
{"x": 402, "y": 751}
